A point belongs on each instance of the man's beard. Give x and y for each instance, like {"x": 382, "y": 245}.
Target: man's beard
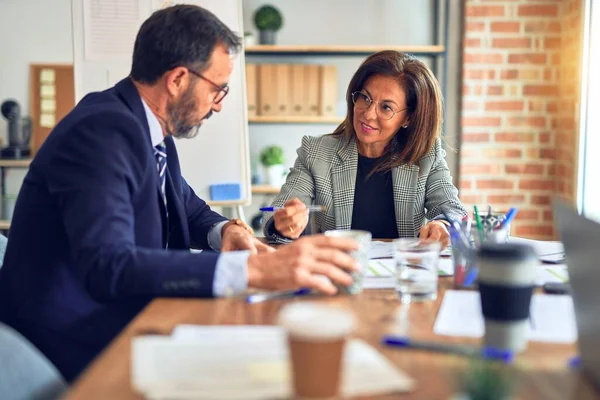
{"x": 181, "y": 114}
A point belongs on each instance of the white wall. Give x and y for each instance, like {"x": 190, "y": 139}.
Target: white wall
{"x": 32, "y": 31}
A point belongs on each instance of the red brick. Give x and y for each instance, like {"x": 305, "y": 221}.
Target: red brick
{"x": 475, "y": 137}
{"x": 483, "y": 58}
{"x": 480, "y": 121}
{"x": 479, "y": 169}
{"x": 502, "y": 153}
{"x": 537, "y": 26}
{"x": 548, "y": 153}
{"x": 509, "y": 74}
{"x": 510, "y": 137}
{"x": 536, "y": 105}
{"x": 551, "y": 170}
{"x": 541, "y": 200}
{"x": 552, "y": 42}
{"x": 471, "y": 105}
{"x": 538, "y": 10}
{"x": 480, "y": 74}
{"x": 544, "y": 138}
{"x": 511, "y": 43}
{"x": 564, "y": 171}
{"x": 540, "y": 90}
{"x": 538, "y": 231}
{"x": 505, "y": 26}
{"x": 525, "y": 169}
{"x": 466, "y": 90}
{"x": 484, "y": 11}
{"x": 464, "y": 185}
{"x": 495, "y": 184}
{"x": 510, "y": 105}
{"x": 478, "y": 90}
{"x": 472, "y": 199}
{"x": 536, "y": 122}
{"x": 552, "y": 107}
{"x": 527, "y": 215}
{"x": 506, "y": 198}
{"x": 556, "y": 59}
{"x": 548, "y": 215}
{"x": 529, "y": 58}
{"x": 473, "y": 26}
{"x": 495, "y": 90}
{"x": 472, "y": 42}
{"x": 537, "y": 184}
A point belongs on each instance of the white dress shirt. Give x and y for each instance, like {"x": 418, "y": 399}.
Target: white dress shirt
{"x": 231, "y": 275}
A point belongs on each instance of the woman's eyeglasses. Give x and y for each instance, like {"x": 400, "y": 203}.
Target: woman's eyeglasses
{"x": 222, "y": 90}
{"x": 383, "y": 110}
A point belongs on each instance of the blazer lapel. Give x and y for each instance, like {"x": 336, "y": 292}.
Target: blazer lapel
{"x": 404, "y": 179}
{"x": 343, "y": 178}
{"x": 178, "y": 234}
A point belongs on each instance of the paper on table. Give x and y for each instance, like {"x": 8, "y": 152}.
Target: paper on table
{"x": 542, "y": 248}
{"x": 552, "y": 317}
{"x": 381, "y": 249}
{"x": 380, "y": 273}
{"x": 248, "y": 362}
{"x": 551, "y": 273}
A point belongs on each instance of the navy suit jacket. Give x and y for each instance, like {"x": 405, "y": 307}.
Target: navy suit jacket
{"x": 86, "y": 247}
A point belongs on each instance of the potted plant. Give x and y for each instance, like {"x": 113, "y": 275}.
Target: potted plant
{"x": 268, "y": 21}
{"x": 272, "y": 159}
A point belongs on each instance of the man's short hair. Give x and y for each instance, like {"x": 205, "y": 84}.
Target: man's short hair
{"x": 181, "y": 35}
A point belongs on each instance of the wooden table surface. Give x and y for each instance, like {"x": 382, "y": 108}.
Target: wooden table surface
{"x": 541, "y": 370}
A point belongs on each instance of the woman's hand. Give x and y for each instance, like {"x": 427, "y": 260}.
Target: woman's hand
{"x": 291, "y": 220}
{"x": 436, "y": 231}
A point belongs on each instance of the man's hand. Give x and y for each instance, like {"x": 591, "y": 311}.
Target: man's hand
{"x": 436, "y": 231}
{"x": 299, "y": 265}
{"x": 239, "y": 237}
{"x": 291, "y": 220}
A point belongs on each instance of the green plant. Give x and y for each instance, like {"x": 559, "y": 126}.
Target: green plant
{"x": 272, "y": 155}
{"x": 484, "y": 380}
{"x": 268, "y": 18}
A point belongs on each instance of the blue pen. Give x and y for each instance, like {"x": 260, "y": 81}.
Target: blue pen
{"x": 471, "y": 276}
{"x": 510, "y": 215}
{"x": 489, "y": 353}
{"x": 575, "y": 362}
{"x": 310, "y": 208}
{"x": 260, "y": 297}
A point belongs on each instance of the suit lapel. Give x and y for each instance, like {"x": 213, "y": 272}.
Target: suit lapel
{"x": 343, "y": 178}
{"x": 404, "y": 179}
{"x": 177, "y": 227}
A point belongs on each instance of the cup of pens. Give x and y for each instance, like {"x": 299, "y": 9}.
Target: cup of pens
{"x": 491, "y": 226}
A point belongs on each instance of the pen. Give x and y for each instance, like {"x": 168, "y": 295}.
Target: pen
{"x": 470, "y": 351}
{"x": 260, "y": 297}
{"x": 310, "y": 208}
{"x": 471, "y": 276}
{"x": 479, "y": 226}
{"x": 510, "y": 215}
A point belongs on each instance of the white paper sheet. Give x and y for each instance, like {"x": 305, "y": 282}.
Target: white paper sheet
{"x": 381, "y": 249}
{"x": 542, "y": 248}
{"x": 551, "y": 273}
{"x": 380, "y": 273}
{"x": 250, "y": 362}
{"x": 552, "y": 317}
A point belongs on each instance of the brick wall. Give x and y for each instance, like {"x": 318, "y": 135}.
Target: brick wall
{"x": 518, "y": 144}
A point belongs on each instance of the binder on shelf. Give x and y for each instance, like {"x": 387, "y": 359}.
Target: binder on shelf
{"x": 266, "y": 90}
{"x": 311, "y": 75}
{"x": 297, "y": 86}
{"x": 328, "y": 90}
{"x": 283, "y": 103}
{"x": 251, "y": 89}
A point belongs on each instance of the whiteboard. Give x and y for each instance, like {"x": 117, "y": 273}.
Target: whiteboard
{"x": 103, "y": 37}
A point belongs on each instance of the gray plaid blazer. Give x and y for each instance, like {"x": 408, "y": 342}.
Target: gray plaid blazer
{"x": 325, "y": 173}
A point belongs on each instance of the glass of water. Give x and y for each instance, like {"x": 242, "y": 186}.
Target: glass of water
{"x": 416, "y": 269}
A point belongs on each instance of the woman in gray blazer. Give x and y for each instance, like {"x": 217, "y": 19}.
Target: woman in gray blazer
{"x": 383, "y": 169}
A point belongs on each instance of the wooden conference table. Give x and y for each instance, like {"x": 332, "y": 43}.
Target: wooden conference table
{"x": 541, "y": 369}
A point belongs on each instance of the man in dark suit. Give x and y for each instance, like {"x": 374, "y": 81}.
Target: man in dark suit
{"x": 104, "y": 221}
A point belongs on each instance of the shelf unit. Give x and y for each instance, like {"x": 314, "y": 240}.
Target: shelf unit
{"x": 340, "y": 50}
{"x": 265, "y": 189}
{"x": 289, "y": 119}
{"x": 4, "y": 164}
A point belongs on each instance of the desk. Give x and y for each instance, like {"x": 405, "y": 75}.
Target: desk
{"x": 542, "y": 367}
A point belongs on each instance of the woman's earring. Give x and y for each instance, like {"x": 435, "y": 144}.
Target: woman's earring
{"x": 405, "y": 126}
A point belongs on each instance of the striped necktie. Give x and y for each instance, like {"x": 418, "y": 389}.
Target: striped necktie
{"x": 160, "y": 152}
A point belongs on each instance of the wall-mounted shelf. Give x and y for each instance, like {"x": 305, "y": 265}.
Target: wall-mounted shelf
{"x": 265, "y": 189}
{"x": 290, "y": 119}
{"x": 339, "y": 50}
{"x": 24, "y": 163}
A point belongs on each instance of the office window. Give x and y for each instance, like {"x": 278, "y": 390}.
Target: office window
{"x": 589, "y": 145}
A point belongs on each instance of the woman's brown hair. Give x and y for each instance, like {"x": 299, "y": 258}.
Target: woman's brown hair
{"x": 423, "y": 100}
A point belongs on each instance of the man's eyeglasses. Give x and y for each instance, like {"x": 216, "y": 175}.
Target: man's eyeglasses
{"x": 383, "y": 110}
{"x": 222, "y": 90}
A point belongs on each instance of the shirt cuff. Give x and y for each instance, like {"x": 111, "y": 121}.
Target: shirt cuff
{"x": 231, "y": 273}
{"x": 214, "y": 236}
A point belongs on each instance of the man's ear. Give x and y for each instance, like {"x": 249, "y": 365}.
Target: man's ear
{"x": 176, "y": 80}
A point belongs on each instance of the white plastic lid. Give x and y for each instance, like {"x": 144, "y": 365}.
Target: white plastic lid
{"x": 316, "y": 321}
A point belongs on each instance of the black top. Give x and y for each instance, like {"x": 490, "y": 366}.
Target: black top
{"x": 374, "y": 201}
